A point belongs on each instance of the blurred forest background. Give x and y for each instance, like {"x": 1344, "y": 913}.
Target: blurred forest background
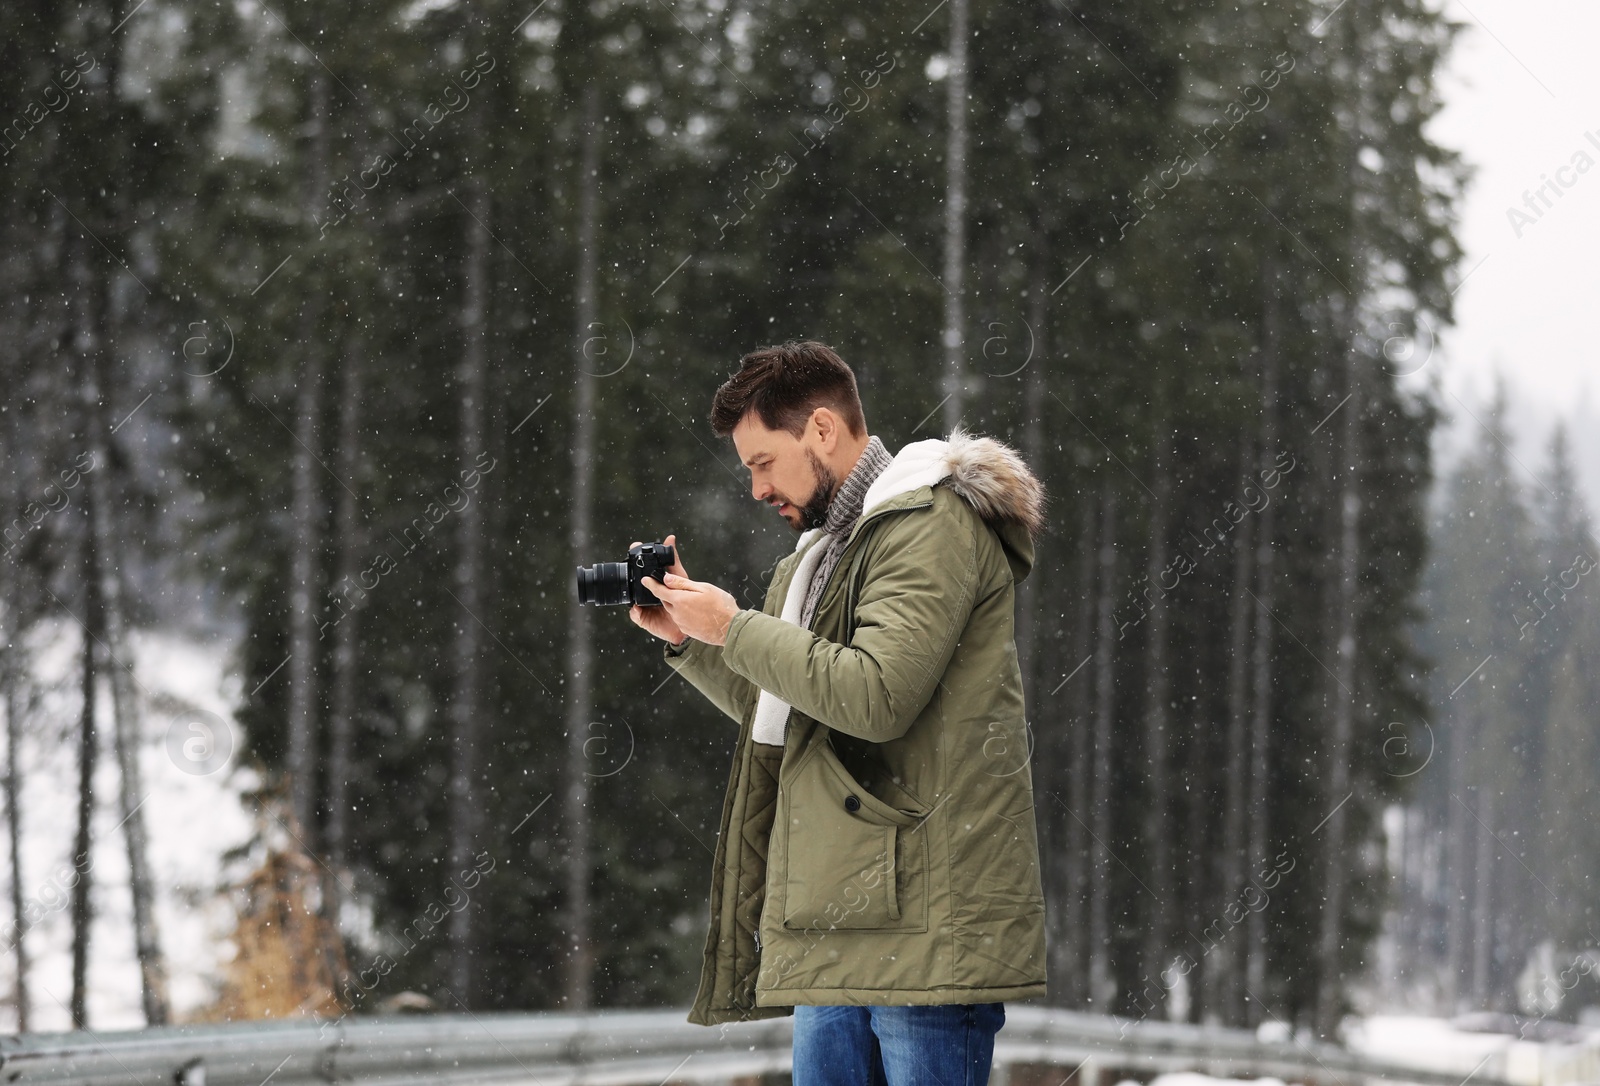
{"x": 337, "y": 335}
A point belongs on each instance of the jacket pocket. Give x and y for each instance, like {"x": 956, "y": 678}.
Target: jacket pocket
{"x": 854, "y": 862}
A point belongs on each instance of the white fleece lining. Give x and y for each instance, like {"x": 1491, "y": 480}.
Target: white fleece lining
{"x": 772, "y": 713}
{"x": 921, "y": 463}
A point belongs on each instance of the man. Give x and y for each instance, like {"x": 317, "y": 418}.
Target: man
{"x": 877, "y": 871}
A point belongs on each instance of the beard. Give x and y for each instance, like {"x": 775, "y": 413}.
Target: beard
{"x": 814, "y": 514}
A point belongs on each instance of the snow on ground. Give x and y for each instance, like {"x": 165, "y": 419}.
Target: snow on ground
{"x": 191, "y": 816}
{"x": 1195, "y": 1078}
{"x": 1433, "y": 1043}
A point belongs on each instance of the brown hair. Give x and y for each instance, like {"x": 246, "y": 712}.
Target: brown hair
{"x": 783, "y": 385}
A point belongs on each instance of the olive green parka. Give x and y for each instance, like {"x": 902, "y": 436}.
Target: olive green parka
{"x": 886, "y": 853}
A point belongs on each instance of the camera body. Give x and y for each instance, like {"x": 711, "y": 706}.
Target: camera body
{"x": 607, "y": 584}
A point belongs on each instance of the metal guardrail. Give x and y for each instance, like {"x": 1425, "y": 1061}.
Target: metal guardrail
{"x": 1103, "y": 1049}
{"x": 624, "y": 1048}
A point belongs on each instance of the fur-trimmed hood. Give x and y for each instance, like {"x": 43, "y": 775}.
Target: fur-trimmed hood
{"x": 990, "y": 475}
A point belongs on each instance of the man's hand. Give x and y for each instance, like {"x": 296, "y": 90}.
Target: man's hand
{"x": 656, "y": 619}
{"x": 697, "y": 609}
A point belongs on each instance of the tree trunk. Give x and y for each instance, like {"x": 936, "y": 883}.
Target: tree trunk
{"x": 1075, "y": 944}
{"x": 1205, "y": 845}
{"x": 306, "y": 539}
{"x": 1458, "y": 945}
{"x": 1261, "y": 660}
{"x": 13, "y": 674}
{"x": 346, "y": 634}
{"x": 1483, "y": 900}
{"x": 1102, "y": 985}
{"x": 127, "y": 744}
{"x": 1223, "y": 977}
{"x": 1048, "y": 761}
{"x": 1329, "y": 988}
{"x": 104, "y": 568}
{"x": 466, "y": 729}
{"x": 1158, "y": 691}
{"x": 1031, "y": 591}
{"x": 580, "y": 961}
{"x": 88, "y": 756}
{"x": 955, "y": 217}
{"x": 1398, "y": 889}
{"x": 13, "y": 707}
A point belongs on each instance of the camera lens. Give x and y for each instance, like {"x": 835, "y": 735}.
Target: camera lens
{"x": 603, "y": 584}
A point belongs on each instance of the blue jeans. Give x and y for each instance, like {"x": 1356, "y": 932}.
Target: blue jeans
{"x": 949, "y": 1045}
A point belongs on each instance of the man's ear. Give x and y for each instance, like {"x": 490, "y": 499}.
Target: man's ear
{"x": 827, "y": 428}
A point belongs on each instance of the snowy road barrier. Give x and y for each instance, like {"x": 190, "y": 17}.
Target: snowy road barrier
{"x": 1037, "y": 1046}
{"x": 618, "y": 1048}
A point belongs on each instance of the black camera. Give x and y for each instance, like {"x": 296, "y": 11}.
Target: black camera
{"x": 609, "y": 583}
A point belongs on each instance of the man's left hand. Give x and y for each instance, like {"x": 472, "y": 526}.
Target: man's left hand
{"x": 701, "y": 609}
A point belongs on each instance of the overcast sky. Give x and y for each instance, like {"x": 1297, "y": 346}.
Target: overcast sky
{"x": 1522, "y": 90}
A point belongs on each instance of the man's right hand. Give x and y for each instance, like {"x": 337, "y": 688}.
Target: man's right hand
{"x": 654, "y": 619}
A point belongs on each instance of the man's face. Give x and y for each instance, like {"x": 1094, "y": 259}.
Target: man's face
{"x": 786, "y": 472}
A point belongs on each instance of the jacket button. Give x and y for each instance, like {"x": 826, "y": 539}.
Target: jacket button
{"x": 852, "y": 804}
